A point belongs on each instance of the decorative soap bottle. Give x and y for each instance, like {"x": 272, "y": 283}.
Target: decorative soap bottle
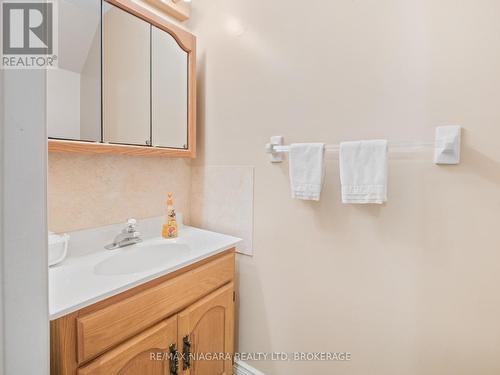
{"x": 169, "y": 229}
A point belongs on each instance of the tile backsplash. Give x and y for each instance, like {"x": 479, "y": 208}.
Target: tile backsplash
{"x": 222, "y": 201}
{"x": 86, "y": 191}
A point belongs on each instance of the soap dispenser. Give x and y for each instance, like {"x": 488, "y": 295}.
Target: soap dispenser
{"x": 169, "y": 229}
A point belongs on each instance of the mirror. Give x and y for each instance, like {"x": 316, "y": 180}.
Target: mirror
{"x": 74, "y": 88}
{"x": 126, "y": 77}
{"x": 169, "y": 65}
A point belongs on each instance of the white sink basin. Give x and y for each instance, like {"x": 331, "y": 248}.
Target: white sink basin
{"x": 82, "y": 280}
{"x": 142, "y": 257}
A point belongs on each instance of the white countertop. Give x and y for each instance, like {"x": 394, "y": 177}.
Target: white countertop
{"x": 83, "y": 280}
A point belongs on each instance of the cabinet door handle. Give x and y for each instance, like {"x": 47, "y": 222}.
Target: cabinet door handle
{"x": 174, "y": 359}
{"x": 186, "y": 352}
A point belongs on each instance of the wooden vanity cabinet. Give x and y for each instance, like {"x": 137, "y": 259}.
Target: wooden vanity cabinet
{"x": 188, "y": 315}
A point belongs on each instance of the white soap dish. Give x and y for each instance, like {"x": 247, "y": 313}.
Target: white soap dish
{"x": 58, "y": 248}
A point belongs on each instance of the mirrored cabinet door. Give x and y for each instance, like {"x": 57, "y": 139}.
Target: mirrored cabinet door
{"x": 74, "y": 88}
{"x": 126, "y": 77}
{"x": 169, "y": 88}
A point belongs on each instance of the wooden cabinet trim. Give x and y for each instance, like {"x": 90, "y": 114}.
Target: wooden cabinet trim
{"x": 63, "y": 345}
{"x": 81, "y": 147}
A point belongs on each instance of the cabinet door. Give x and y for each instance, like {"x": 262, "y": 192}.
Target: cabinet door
{"x": 147, "y": 353}
{"x": 126, "y": 77}
{"x": 73, "y": 107}
{"x": 206, "y": 329}
{"x": 169, "y": 91}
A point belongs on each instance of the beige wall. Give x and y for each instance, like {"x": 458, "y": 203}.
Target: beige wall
{"x": 410, "y": 287}
{"x": 87, "y": 191}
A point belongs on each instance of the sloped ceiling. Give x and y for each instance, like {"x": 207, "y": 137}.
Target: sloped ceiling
{"x": 79, "y": 21}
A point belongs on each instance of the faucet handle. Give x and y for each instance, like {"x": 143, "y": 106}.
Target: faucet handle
{"x": 131, "y": 225}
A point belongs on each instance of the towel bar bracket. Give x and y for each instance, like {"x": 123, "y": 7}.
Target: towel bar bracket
{"x": 276, "y": 156}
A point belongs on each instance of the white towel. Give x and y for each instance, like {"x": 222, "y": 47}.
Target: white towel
{"x": 363, "y": 171}
{"x": 306, "y": 170}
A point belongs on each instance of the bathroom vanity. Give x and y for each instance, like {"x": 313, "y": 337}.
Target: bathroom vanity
{"x": 158, "y": 307}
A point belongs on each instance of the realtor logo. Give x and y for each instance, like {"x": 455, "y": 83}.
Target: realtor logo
{"x": 28, "y": 34}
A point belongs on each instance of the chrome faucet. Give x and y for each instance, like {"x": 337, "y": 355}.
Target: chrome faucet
{"x": 128, "y": 236}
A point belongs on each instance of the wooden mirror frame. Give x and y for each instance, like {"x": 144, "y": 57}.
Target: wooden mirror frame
{"x": 187, "y": 42}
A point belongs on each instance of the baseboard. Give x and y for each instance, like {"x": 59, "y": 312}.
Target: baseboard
{"x": 243, "y": 368}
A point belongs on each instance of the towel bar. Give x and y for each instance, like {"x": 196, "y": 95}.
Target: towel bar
{"x": 446, "y": 147}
